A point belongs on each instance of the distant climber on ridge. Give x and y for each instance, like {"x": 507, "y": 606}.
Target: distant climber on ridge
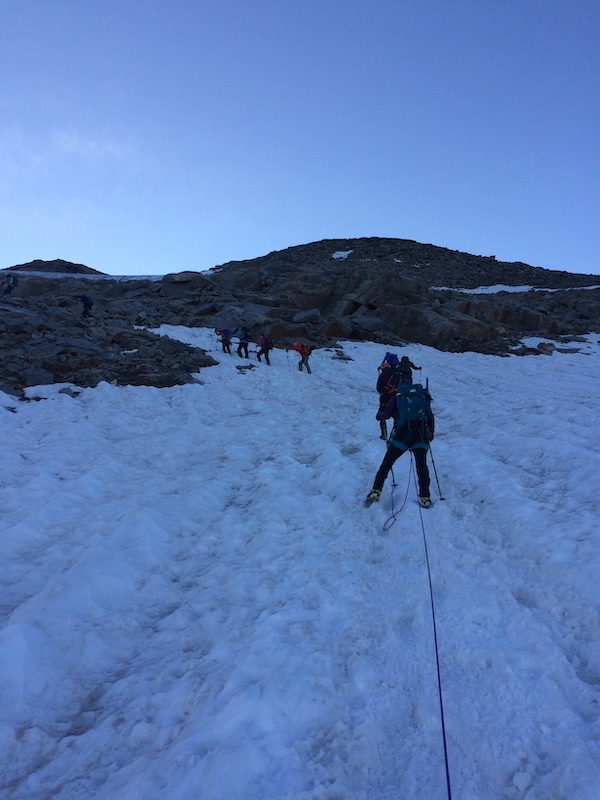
{"x": 9, "y": 284}
{"x": 87, "y": 304}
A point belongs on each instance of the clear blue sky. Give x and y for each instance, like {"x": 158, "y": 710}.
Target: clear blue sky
{"x": 146, "y": 136}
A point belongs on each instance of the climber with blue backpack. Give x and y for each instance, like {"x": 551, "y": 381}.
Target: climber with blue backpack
{"x": 9, "y": 283}
{"x": 414, "y": 424}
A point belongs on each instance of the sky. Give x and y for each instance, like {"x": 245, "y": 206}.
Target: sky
{"x": 223, "y": 617}
{"x": 147, "y": 137}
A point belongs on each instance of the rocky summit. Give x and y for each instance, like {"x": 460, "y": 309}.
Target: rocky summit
{"x": 390, "y": 290}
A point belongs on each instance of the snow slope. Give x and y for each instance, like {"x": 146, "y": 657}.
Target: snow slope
{"x": 196, "y": 605}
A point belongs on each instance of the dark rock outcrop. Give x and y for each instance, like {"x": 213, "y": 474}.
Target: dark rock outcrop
{"x": 395, "y": 289}
{"x": 57, "y": 266}
{"x": 388, "y": 290}
{"x": 44, "y": 338}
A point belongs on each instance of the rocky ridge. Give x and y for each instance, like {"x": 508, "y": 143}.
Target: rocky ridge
{"x": 389, "y": 290}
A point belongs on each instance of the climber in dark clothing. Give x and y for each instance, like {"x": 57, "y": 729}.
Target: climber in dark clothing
{"x": 413, "y": 430}
{"x": 266, "y": 345}
{"x": 387, "y": 384}
{"x": 87, "y": 305}
{"x": 244, "y": 338}
{"x": 405, "y": 369}
{"x": 223, "y": 334}
{"x": 9, "y": 284}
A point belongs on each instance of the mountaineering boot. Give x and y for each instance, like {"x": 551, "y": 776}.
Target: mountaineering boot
{"x": 373, "y": 496}
{"x": 425, "y": 502}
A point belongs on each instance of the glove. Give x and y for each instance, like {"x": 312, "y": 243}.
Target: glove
{"x": 428, "y": 433}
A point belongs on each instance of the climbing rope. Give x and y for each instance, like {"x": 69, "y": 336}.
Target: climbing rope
{"x": 435, "y": 637}
{"x": 392, "y": 519}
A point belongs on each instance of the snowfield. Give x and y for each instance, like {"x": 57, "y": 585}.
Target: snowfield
{"x": 196, "y": 605}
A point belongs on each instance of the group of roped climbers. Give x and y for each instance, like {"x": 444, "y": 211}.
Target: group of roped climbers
{"x": 409, "y": 405}
{"x": 265, "y": 345}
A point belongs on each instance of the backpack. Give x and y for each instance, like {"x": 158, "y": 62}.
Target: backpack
{"x": 388, "y": 380}
{"x": 305, "y": 350}
{"x": 390, "y": 360}
{"x": 412, "y": 405}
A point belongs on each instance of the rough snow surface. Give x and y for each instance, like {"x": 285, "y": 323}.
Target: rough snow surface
{"x": 196, "y": 605}
{"x": 500, "y": 287}
{"x": 341, "y": 253}
{"x": 495, "y": 289}
{"x": 88, "y": 276}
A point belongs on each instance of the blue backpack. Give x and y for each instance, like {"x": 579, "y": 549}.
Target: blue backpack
{"x": 412, "y": 405}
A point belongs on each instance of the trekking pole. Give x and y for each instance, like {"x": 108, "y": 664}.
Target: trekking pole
{"x": 437, "y": 480}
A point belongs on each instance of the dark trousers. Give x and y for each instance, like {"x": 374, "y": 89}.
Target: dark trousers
{"x": 393, "y": 453}
{"x": 263, "y": 352}
{"x": 243, "y": 346}
{"x": 304, "y": 363}
{"x": 383, "y": 401}
{"x": 226, "y": 345}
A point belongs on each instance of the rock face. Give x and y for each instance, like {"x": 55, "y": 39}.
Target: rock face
{"x": 57, "y": 266}
{"x": 388, "y": 290}
{"x": 45, "y": 339}
{"x": 398, "y": 290}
